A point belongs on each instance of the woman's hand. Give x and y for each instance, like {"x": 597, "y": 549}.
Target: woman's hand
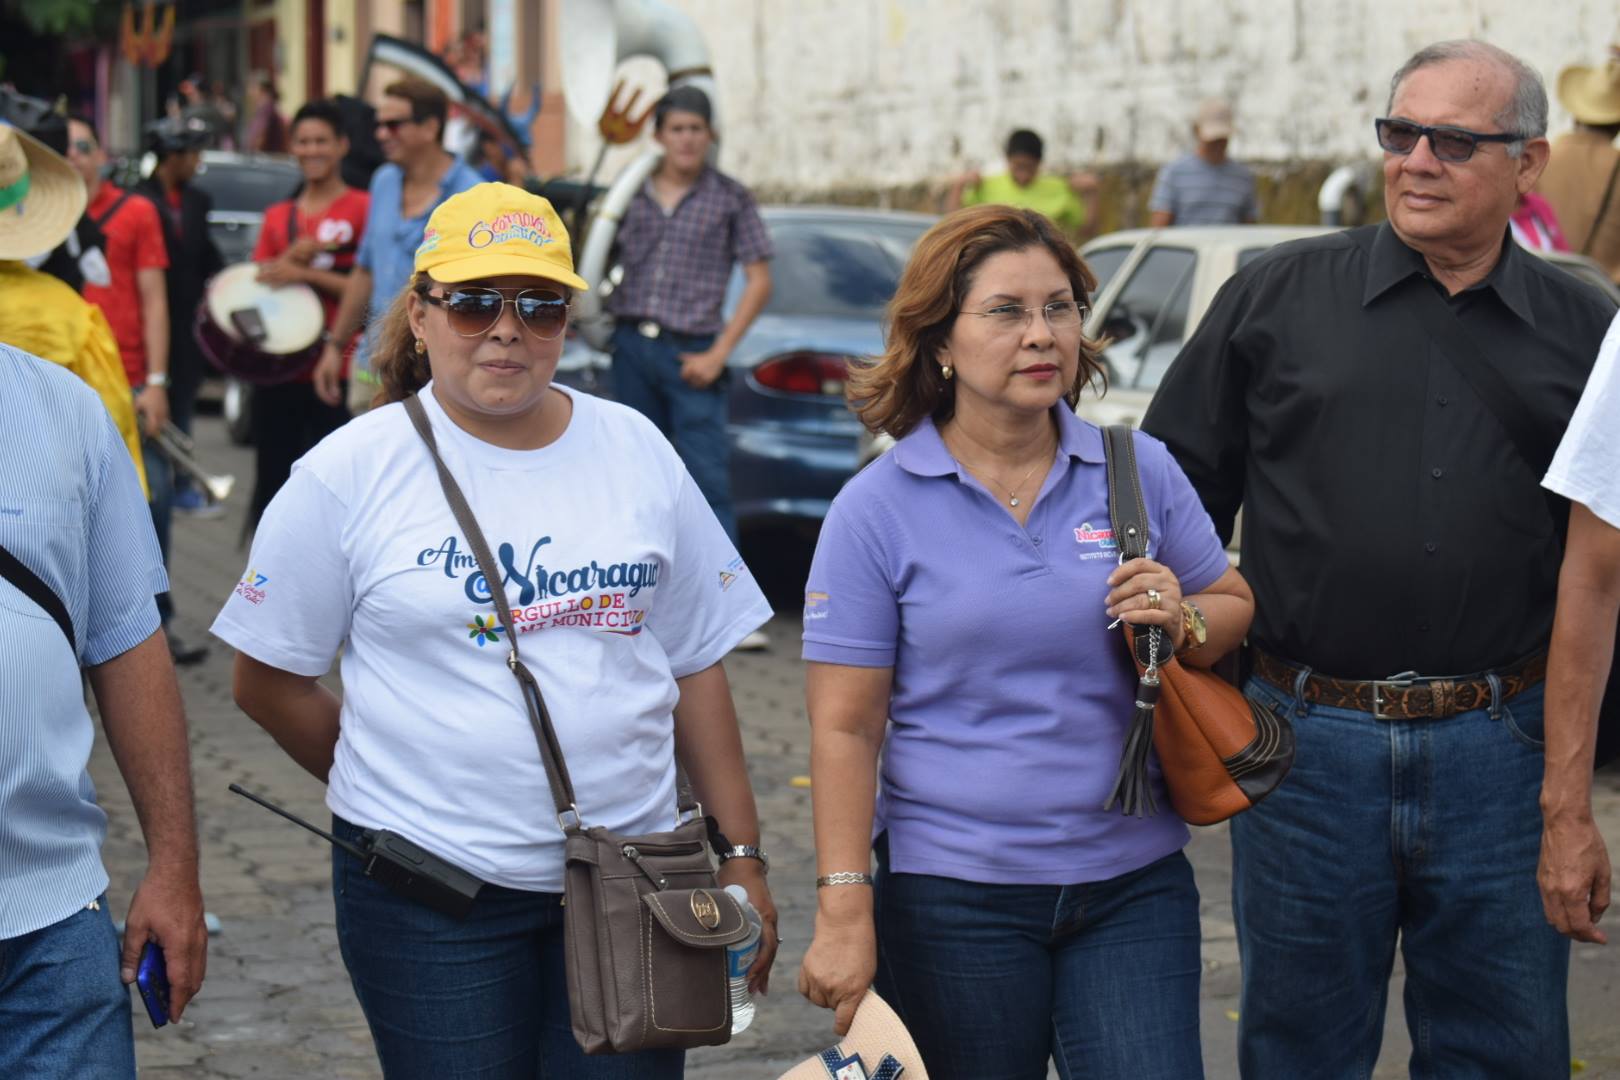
{"x": 840, "y": 966}
{"x": 1128, "y": 597}
{"x": 750, "y": 874}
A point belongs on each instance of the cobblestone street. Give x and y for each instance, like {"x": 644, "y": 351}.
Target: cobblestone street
{"x": 277, "y": 1002}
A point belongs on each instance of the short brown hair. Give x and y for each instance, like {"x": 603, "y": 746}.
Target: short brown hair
{"x": 427, "y": 101}
{"x": 894, "y": 393}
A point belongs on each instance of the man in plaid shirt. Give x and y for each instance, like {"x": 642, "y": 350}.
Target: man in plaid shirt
{"x": 680, "y": 236}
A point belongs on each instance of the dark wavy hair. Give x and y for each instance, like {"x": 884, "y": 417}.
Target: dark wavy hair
{"x": 894, "y": 393}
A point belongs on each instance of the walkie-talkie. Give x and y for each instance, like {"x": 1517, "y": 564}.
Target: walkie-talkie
{"x": 399, "y": 864}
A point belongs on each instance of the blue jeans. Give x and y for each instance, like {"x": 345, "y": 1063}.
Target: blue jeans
{"x": 994, "y": 981}
{"x": 455, "y": 999}
{"x": 647, "y": 377}
{"x": 64, "y": 1013}
{"x": 1425, "y": 832}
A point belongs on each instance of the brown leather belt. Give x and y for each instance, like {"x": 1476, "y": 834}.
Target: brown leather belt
{"x": 1405, "y": 697}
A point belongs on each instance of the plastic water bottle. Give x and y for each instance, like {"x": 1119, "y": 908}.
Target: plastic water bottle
{"x": 739, "y": 958}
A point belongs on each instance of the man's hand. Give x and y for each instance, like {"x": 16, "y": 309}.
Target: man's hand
{"x": 168, "y": 909}
{"x": 1574, "y": 876}
{"x": 303, "y": 250}
{"x": 152, "y": 406}
{"x": 329, "y": 374}
{"x": 701, "y": 369}
{"x": 1084, "y": 182}
{"x": 282, "y": 271}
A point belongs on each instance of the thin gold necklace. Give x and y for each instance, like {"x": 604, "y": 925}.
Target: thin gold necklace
{"x": 1012, "y": 492}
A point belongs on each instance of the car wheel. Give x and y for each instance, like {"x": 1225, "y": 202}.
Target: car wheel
{"x": 237, "y": 408}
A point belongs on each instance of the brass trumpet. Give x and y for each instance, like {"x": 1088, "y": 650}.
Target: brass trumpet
{"x": 178, "y": 447}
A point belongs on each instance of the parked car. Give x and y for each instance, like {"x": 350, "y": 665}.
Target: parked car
{"x": 794, "y": 441}
{"x": 1154, "y": 286}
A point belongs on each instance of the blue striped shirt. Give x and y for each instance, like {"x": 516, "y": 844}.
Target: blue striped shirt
{"x": 1198, "y": 193}
{"x": 71, "y": 510}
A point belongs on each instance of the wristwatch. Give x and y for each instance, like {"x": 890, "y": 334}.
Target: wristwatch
{"x": 158, "y": 379}
{"x": 1195, "y": 628}
{"x": 745, "y": 851}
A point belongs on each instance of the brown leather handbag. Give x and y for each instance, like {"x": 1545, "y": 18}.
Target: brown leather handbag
{"x": 1220, "y": 752}
{"x": 644, "y": 923}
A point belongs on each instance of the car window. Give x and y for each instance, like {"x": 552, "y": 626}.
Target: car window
{"x": 240, "y": 187}
{"x": 1149, "y": 318}
{"x": 846, "y": 269}
{"x": 1105, "y": 263}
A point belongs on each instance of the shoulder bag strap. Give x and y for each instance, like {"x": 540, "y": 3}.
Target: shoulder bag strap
{"x": 562, "y": 786}
{"x": 123, "y": 197}
{"x": 1603, "y": 208}
{"x": 33, "y": 586}
{"x": 1127, "y": 510}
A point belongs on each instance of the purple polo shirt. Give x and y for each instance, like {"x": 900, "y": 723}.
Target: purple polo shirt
{"x": 1011, "y": 697}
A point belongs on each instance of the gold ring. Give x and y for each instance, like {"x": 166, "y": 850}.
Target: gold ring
{"x": 1153, "y": 599}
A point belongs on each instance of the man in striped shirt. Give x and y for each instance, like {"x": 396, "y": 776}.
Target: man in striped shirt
{"x": 79, "y": 569}
{"x": 1205, "y": 187}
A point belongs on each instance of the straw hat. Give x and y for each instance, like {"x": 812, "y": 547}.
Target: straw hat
{"x": 41, "y": 197}
{"x": 876, "y": 1039}
{"x": 1592, "y": 94}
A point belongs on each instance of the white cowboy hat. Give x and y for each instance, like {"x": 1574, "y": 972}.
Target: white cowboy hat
{"x": 878, "y": 1047}
{"x": 41, "y": 197}
{"x": 1592, "y": 94}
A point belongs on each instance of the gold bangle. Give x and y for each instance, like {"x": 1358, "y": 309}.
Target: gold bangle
{"x": 845, "y": 877}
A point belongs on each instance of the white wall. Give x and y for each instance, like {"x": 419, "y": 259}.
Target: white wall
{"x": 875, "y": 94}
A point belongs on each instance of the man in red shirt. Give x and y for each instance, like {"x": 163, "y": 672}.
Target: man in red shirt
{"x": 134, "y": 301}
{"x": 312, "y": 240}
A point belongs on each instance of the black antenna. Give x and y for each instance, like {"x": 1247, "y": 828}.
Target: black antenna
{"x": 296, "y": 820}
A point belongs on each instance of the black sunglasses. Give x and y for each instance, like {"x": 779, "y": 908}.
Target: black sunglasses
{"x": 1448, "y": 143}
{"x": 471, "y": 312}
{"x": 395, "y": 125}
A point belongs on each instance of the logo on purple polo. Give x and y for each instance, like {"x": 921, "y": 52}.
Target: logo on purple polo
{"x": 1095, "y": 543}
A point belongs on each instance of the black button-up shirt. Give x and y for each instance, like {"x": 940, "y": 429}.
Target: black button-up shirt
{"x": 1389, "y": 523}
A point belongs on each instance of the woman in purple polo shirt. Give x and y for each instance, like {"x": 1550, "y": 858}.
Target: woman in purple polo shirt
{"x": 957, "y": 618}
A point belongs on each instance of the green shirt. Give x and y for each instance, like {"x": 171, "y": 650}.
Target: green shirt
{"x": 1048, "y": 194}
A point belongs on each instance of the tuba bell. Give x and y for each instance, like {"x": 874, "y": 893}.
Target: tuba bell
{"x": 179, "y": 448}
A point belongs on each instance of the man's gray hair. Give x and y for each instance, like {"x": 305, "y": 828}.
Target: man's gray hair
{"x": 1526, "y": 111}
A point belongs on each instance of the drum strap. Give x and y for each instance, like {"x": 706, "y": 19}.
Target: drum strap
{"x": 111, "y": 210}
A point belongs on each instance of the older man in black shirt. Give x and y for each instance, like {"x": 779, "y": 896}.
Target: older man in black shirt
{"x": 1358, "y": 394}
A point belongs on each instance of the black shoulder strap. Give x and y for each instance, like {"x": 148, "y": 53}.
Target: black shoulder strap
{"x": 1603, "y": 207}
{"x": 102, "y": 219}
{"x": 292, "y": 221}
{"x": 32, "y": 586}
{"x": 1127, "y": 511}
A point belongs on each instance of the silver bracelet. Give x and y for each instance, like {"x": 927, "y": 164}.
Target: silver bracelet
{"x": 845, "y": 877}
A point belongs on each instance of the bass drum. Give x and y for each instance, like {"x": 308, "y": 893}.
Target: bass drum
{"x": 260, "y": 333}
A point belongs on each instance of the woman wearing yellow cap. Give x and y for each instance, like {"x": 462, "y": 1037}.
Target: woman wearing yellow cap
{"x": 624, "y": 592}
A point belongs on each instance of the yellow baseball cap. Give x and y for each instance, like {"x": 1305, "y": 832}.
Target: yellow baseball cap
{"x": 496, "y": 229}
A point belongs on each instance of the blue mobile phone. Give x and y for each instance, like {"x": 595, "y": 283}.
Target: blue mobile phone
{"x": 152, "y": 979}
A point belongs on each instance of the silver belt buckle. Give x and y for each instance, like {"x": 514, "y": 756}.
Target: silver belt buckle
{"x": 1402, "y": 681}
{"x": 649, "y": 329}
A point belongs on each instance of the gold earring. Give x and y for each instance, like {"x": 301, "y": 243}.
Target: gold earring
{"x": 947, "y": 371}
{"x": 421, "y": 347}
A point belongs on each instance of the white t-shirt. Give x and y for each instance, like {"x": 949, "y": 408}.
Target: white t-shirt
{"x": 1586, "y": 468}
{"x": 620, "y": 581}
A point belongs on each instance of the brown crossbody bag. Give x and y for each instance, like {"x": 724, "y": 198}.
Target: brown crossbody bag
{"x": 1220, "y": 752}
{"x": 645, "y": 925}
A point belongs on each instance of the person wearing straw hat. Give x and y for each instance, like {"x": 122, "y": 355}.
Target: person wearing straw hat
{"x": 622, "y": 584}
{"x": 39, "y": 313}
{"x": 1582, "y": 178}
{"x": 79, "y": 568}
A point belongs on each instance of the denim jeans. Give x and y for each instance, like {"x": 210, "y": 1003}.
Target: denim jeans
{"x": 160, "y": 488}
{"x": 64, "y": 1014}
{"x": 994, "y": 981}
{"x": 456, "y": 999}
{"x": 647, "y": 377}
{"x": 1424, "y": 832}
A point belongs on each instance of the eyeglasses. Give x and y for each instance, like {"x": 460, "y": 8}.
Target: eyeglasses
{"x": 394, "y": 125}
{"x": 83, "y": 146}
{"x": 472, "y": 312}
{"x": 1448, "y": 143}
{"x": 1060, "y": 315}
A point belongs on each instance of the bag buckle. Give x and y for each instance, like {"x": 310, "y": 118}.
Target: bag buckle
{"x": 574, "y": 810}
{"x": 1405, "y": 680}
{"x": 692, "y": 814}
